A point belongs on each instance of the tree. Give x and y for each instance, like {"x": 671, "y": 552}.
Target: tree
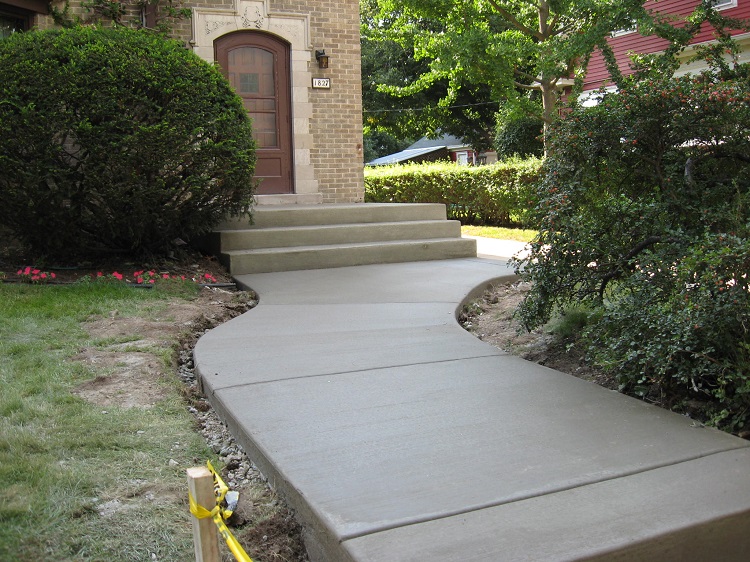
{"x": 522, "y": 51}
{"x": 389, "y": 64}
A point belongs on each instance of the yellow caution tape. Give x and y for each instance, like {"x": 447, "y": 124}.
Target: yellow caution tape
{"x": 219, "y": 515}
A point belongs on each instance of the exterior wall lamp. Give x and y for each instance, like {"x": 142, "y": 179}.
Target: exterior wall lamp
{"x": 322, "y": 58}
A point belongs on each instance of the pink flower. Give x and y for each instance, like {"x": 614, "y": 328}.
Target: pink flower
{"x": 99, "y": 274}
{"x": 165, "y": 276}
{"x": 53, "y": 275}
{"x": 27, "y": 271}
{"x": 43, "y": 276}
{"x": 152, "y": 280}
{"x": 36, "y": 271}
{"x": 117, "y": 276}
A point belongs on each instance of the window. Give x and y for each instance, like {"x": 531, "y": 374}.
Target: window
{"x": 632, "y": 28}
{"x": 13, "y": 20}
{"x": 723, "y": 4}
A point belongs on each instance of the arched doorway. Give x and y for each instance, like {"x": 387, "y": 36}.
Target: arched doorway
{"x": 257, "y": 66}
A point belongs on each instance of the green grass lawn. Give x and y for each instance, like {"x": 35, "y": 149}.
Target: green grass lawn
{"x": 517, "y": 234}
{"x": 64, "y": 460}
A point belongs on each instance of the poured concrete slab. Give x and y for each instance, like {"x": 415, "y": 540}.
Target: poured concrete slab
{"x": 687, "y": 511}
{"x": 398, "y": 436}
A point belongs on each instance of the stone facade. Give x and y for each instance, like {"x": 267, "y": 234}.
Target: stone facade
{"x": 326, "y": 122}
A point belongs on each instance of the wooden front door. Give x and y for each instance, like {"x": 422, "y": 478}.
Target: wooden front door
{"x": 257, "y": 66}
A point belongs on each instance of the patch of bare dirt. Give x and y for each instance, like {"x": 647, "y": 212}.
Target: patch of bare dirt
{"x": 131, "y": 367}
{"x": 491, "y": 319}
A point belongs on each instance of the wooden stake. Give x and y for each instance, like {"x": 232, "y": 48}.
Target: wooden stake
{"x": 205, "y": 533}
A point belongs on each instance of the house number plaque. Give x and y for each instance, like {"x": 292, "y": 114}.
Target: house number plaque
{"x": 324, "y": 83}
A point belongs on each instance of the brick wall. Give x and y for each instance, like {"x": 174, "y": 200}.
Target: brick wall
{"x": 336, "y": 123}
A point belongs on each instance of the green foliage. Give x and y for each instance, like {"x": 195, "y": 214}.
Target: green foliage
{"x": 116, "y": 140}
{"x": 644, "y": 214}
{"x": 684, "y": 332}
{"x": 519, "y": 137}
{"x": 571, "y": 323}
{"x": 510, "y": 52}
{"x": 389, "y": 63}
{"x": 500, "y": 194}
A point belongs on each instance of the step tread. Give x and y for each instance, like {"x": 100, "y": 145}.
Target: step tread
{"x": 342, "y": 226}
{"x": 301, "y": 215}
{"x": 313, "y": 248}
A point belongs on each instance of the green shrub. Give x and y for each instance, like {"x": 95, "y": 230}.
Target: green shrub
{"x": 519, "y": 137}
{"x": 116, "y": 139}
{"x": 644, "y": 213}
{"x": 498, "y": 195}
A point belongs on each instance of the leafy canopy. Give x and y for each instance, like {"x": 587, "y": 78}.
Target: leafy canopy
{"x": 515, "y": 53}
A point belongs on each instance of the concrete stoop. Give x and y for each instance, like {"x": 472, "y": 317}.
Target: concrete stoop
{"x": 299, "y": 237}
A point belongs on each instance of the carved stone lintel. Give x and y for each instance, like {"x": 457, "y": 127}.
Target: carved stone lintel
{"x": 248, "y": 22}
{"x": 213, "y": 25}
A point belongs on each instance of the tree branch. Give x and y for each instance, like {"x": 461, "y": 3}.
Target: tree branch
{"x": 510, "y": 18}
{"x": 637, "y": 249}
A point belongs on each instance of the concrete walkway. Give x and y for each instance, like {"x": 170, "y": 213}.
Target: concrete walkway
{"x": 396, "y": 435}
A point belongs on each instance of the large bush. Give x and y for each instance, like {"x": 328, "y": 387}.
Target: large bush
{"x": 644, "y": 212}
{"x": 499, "y": 194}
{"x": 115, "y": 139}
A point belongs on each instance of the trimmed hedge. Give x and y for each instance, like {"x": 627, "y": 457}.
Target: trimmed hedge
{"x": 497, "y": 195}
{"x": 116, "y": 140}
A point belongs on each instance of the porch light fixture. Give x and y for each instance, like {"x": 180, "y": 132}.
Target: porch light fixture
{"x": 322, "y": 58}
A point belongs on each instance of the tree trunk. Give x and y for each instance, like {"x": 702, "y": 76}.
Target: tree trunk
{"x": 549, "y": 109}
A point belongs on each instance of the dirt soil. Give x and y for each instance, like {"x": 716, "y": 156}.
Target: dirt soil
{"x": 490, "y": 318}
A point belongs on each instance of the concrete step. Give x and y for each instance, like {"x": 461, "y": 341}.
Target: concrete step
{"x": 274, "y": 216}
{"x": 342, "y": 255}
{"x": 316, "y": 235}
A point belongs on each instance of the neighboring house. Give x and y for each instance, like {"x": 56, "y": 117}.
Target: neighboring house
{"x": 627, "y": 41}
{"x": 307, "y": 115}
{"x": 445, "y": 148}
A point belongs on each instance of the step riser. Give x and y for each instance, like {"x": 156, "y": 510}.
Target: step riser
{"x": 339, "y": 234}
{"x": 333, "y": 256}
{"x": 310, "y": 215}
